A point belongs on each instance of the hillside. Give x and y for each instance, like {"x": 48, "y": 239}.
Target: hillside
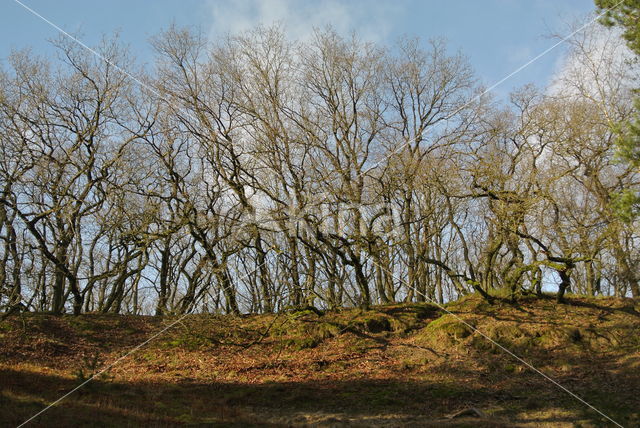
{"x": 398, "y": 365}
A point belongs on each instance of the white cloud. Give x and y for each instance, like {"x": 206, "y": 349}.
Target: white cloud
{"x": 370, "y": 20}
{"x": 598, "y": 65}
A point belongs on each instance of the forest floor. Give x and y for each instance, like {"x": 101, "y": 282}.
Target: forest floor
{"x": 396, "y": 365}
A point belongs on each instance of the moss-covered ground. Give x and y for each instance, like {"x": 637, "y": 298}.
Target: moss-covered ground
{"x": 396, "y": 365}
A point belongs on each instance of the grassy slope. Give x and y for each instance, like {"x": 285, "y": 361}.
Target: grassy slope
{"x": 400, "y": 365}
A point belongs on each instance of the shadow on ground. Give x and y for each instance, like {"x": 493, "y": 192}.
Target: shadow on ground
{"x": 392, "y": 366}
{"x": 354, "y": 403}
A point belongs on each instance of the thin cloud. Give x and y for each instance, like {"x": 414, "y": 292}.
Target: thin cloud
{"x": 371, "y": 20}
{"x": 598, "y": 65}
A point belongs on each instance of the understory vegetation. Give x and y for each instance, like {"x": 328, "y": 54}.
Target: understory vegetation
{"x": 392, "y": 365}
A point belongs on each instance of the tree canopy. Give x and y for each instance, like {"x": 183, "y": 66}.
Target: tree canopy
{"x": 259, "y": 173}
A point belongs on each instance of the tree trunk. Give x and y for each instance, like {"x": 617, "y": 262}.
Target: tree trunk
{"x": 267, "y": 305}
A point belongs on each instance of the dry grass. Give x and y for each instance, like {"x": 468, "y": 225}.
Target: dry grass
{"x": 399, "y": 365}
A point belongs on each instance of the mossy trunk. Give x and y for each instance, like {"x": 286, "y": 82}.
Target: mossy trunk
{"x": 565, "y": 284}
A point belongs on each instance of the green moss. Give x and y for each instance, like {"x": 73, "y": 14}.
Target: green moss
{"x": 450, "y": 326}
{"x": 82, "y": 324}
{"x": 376, "y": 324}
{"x": 370, "y": 323}
{"x": 470, "y": 303}
{"x": 280, "y": 330}
{"x": 359, "y": 346}
{"x": 405, "y": 320}
{"x": 324, "y": 330}
{"x": 508, "y": 333}
{"x": 189, "y": 342}
{"x": 299, "y": 344}
{"x": 560, "y": 337}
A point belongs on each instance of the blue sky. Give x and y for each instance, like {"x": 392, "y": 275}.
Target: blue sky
{"x": 496, "y": 35}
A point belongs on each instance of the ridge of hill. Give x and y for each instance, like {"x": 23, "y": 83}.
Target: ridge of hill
{"x": 395, "y": 365}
